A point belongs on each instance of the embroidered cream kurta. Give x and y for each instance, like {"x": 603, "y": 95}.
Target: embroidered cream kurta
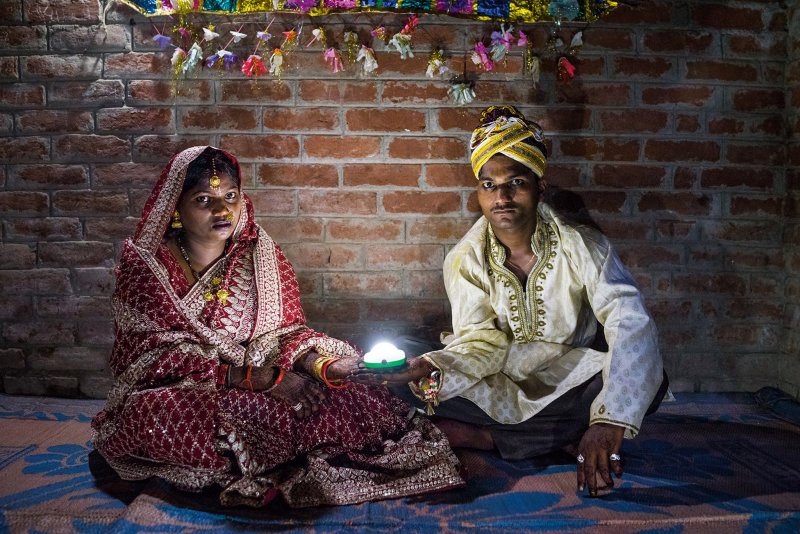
{"x": 516, "y": 349}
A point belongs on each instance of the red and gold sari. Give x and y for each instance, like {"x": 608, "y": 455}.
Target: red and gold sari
{"x": 167, "y": 417}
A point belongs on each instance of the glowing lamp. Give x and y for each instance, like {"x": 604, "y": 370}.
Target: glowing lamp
{"x": 384, "y": 356}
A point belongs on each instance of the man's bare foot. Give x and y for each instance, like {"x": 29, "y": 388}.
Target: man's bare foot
{"x": 465, "y": 435}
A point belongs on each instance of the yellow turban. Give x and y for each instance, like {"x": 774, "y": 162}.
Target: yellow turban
{"x": 504, "y": 135}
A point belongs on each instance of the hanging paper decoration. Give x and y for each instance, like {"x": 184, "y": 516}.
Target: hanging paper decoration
{"x": 461, "y": 93}
{"x": 318, "y": 35}
{"x": 178, "y": 57}
{"x": 436, "y": 65}
{"x": 289, "y": 41}
{"x": 353, "y": 47}
{"x": 209, "y": 34}
{"x": 566, "y": 70}
{"x": 501, "y": 43}
{"x": 367, "y": 55}
{"x": 379, "y": 33}
{"x": 192, "y": 59}
{"x": 402, "y": 40}
{"x": 333, "y": 58}
{"x": 254, "y": 66}
{"x": 480, "y": 56}
{"x": 501, "y": 10}
{"x": 276, "y": 63}
{"x": 162, "y": 40}
{"x": 237, "y": 36}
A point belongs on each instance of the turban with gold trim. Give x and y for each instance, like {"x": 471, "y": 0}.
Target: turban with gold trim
{"x": 504, "y": 130}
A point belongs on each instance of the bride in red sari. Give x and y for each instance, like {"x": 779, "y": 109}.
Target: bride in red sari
{"x": 217, "y": 378}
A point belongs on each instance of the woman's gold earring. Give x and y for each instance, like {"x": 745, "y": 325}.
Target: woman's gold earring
{"x": 176, "y": 223}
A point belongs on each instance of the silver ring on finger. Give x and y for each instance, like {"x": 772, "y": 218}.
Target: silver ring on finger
{"x": 614, "y": 457}
{"x": 580, "y": 459}
{"x": 297, "y": 407}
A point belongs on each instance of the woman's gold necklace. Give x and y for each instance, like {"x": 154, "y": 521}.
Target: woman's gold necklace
{"x": 216, "y": 288}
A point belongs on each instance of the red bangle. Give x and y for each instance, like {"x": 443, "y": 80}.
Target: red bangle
{"x": 222, "y": 372}
{"x": 277, "y": 381}
{"x": 325, "y": 375}
{"x": 247, "y": 382}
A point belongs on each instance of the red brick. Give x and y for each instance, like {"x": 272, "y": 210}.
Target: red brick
{"x": 649, "y": 256}
{"x": 436, "y": 230}
{"x": 365, "y": 230}
{"x": 273, "y": 202}
{"x": 362, "y": 284}
{"x": 769, "y": 46}
{"x": 62, "y": 67}
{"x": 764, "y": 286}
{"x": 40, "y": 332}
{"x": 324, "y": 256}
{"x": 22, "y": 95}
{"x": 405, "y": 257}
{"x": 63, "y": 11}
{"x": 292, "y": 229}
{"x": 726, "y": 284}
{"x": 11, "y": 11}
{"x": 414, "y": 93}
{"x": 609, "y": 38}
{"x": 161, "y": 148}
{"x": 255, "y": 91}
{"x": 687, "y": 42}
{"x": 594, "y": 201}
{"x": 489, "y": 92}
{"x": 677, "y": 230}
{"x": 23, "y": 38}
{"x": 681, "y": 203}
{"x": 125, "y": 174}
{"x": 8, "y": 68}
{"x": 15, "y": 307}
{"x": 99, "y": 93}
{"x": 727, "y": 17}
{"x": 76, "y": 254}
{"x": 667, "y": 150}
{"x": 562, "y": 175}
{"x": 608, "y": 149}
{"x": 750, "y": 308}
{"x": 640, "y": 120}
{"x": 43, "y": 121}
{"x": 756, "y": 206}
{"x": 328, "y": 146}
{"x": 426, "y": 284}
{"x": 96, "y": 38}
{"x": 298, "y": 175}
{"x": 68, "y": 359}
{"x": 108, "y": 228}
{"x": 49, "y": 176}
{"x": 88, "y": 203}
{"x": 737, "y": 177}
{"x": 647, "y": 67}
{"x": 761, "y": 232}
{"x": 24, "y": 149}
{"x": 449, "y": 175}
{"x": 628, "y": 176}
{"x": 133, "y": 120}
{"x": 595, "y": 94}
{"x": 336, "y": 91}
{"x": 382, "y": 175}
{"x": 169, "y": 91}
{"x": 640, "y": 13}
{"x": 625, "y": 229}
{"x": 421, "y": 202}
{"x": 335, "y": 202}
{"x": 762, "y": 154}
{"x": 428, "y": 148}
{"x": 388, "y": 120}
{"x": 724, "y": 125}
{"x": 458, "y": 119}
{"x": 687, "y": 95}
{"x": 82, "y": 148}
{"x": 325, "y": 119}
{"x": 564, "y": 120}
{"x": 218, "y": 118}
{"x": 760, "y": 258}
{"x": 18, "y": 203}
{"x": 758, "y": 100}
{"x": 260, "y": 146}
{"x": 94, "y": 280}
{"x": 773, "y": 126}
{"x": 16, "y": 256}
{"x": 137, "y": 64}
{"x": 37, "y": 281}
{"x": 721, "y": 71}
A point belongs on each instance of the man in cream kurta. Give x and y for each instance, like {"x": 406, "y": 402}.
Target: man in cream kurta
{"x": 527, "y": 289}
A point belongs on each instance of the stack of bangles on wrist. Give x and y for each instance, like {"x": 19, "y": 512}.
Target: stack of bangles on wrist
{"x": 321, "y": 365}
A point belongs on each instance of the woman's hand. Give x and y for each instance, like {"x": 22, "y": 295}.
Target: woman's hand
{"x": 341, "y": 370}
{"x": 302, "y": 393}
{"x": 417, "y": 368}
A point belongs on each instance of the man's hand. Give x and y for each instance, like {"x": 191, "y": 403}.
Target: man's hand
{"x": 301, "y": 393}
{"x": 416, "y": 369}
{"x": 599, "y": 453}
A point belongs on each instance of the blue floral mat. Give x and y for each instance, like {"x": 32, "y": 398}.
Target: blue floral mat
{"x": 704, "y": 463}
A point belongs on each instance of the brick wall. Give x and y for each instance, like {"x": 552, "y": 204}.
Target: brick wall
{"x": 673, "y": 139}
{"x": 790, "y": 373}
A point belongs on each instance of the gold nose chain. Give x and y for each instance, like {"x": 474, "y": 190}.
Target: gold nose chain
{"x": 216, "y": 289}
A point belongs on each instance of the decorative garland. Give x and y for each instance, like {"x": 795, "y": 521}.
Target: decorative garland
{"x": 203, "y": 47}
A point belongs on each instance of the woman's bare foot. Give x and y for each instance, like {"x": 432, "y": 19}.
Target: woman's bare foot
{"x": 465, "y": 435}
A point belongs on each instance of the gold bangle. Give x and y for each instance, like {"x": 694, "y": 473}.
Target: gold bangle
{"x": 318, "y": 364}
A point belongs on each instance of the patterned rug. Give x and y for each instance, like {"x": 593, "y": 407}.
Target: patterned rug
{"x": 704, "y": 463}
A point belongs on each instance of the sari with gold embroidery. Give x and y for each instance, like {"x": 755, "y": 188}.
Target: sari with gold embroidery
{"x": 166, "y": 416}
